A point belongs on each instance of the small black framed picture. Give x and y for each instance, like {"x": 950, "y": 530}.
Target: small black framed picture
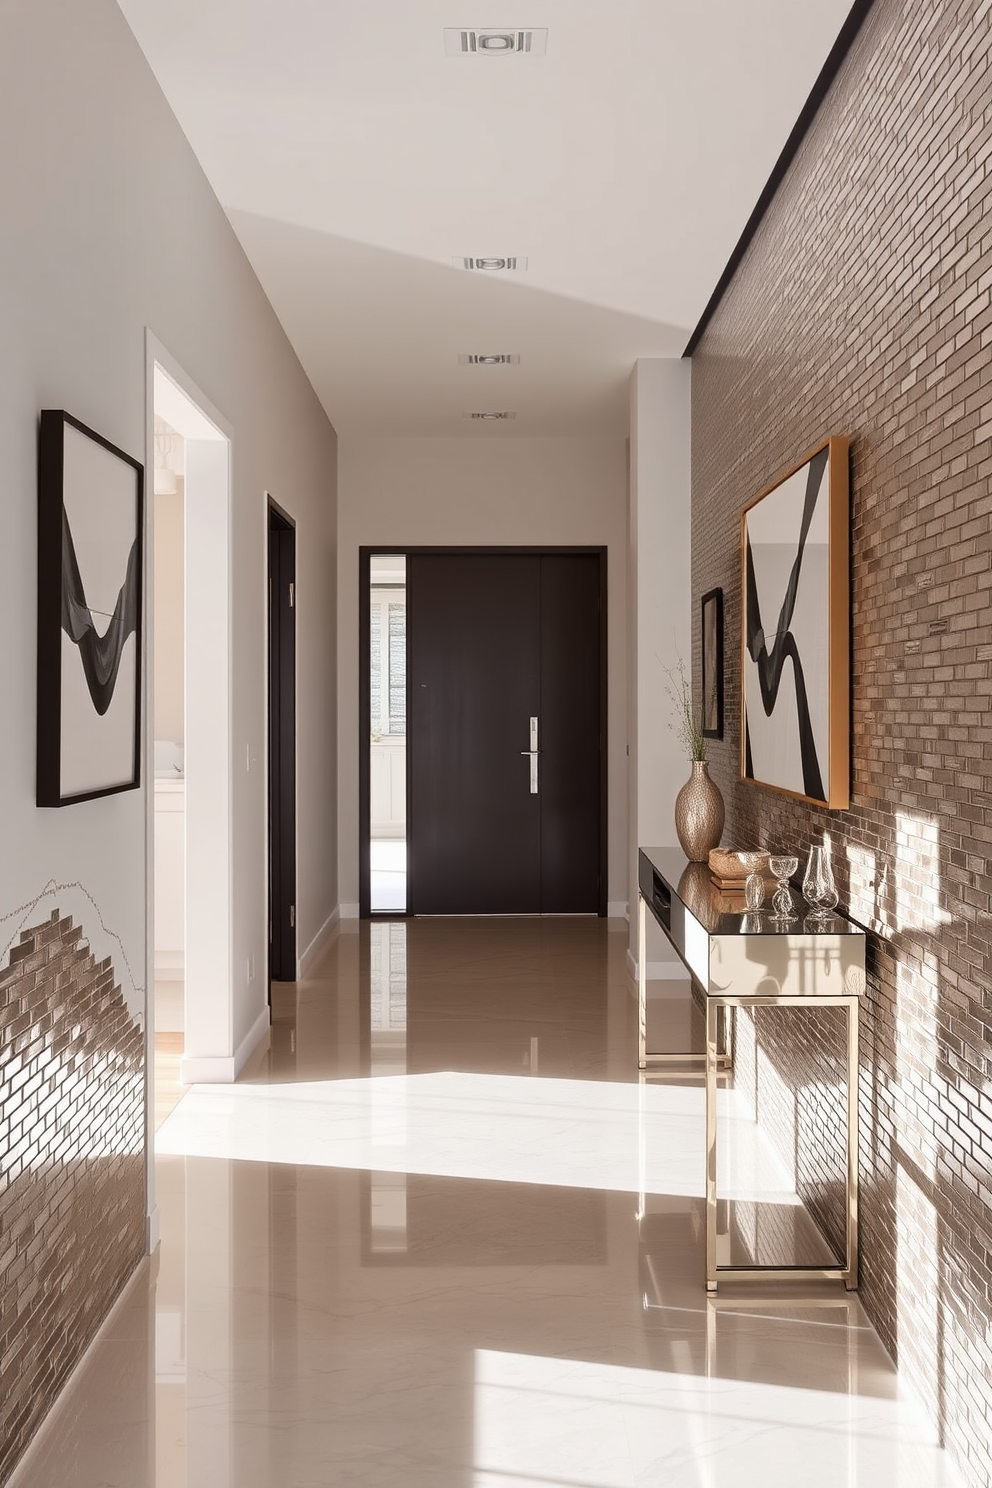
{"x": 90, "y": 525}
{"x": 712, "y": 629}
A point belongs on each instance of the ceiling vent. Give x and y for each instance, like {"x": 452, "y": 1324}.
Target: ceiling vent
{"x": 489, "y": 359}
{"x": 495, "y": 43}
{"x": 489, "y": 416}
{"x": 490, "y": 265}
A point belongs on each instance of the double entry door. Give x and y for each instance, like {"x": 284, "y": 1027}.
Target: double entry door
{"x": 505, "y": 676}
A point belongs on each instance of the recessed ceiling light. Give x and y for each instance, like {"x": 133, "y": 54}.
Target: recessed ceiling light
{"x": 501, "y": 415}
{"x": 492, "y": 265}
{"x": 495, "y": 42}
{"x": 489, "y": 359}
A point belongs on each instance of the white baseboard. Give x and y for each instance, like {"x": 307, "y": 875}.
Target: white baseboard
{"x": 224, "y": 1069}
{"x": 315, "y": 947}
{"x": 616, "y": 909}
{"x": 659, "y": 971}
{"x": 348, "y": 911}
{"x": 53, "y": 1423}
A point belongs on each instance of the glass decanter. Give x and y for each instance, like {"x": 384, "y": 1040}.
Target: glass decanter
{"x": 783, "y": 868}
{"x": 819, "y": 889}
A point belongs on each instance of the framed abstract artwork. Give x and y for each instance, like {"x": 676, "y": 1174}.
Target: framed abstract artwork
{"x": 712, "y": 643}
{"x": 90, "y": 516}
{"x": 795, "y": 664}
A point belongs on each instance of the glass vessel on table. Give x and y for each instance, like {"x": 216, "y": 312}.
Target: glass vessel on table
{"x": 754, "y": 884}
{"x": 819, "y": 888}
{"x": 783, "y": 866}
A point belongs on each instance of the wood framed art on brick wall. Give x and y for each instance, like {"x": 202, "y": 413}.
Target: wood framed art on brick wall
{"x": 90, "y": 516}
{"x": 795, "y": 663}
{"x": 711, "y": 618}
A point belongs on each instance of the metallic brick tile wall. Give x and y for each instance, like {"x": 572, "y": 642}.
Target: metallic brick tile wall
{"x": 802, "y": 1102}
{"x": 864, "y": 307}
{"x": 72, "y": 1167}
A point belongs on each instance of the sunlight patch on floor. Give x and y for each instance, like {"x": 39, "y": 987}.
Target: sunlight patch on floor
{"x": 565, "y": 1133}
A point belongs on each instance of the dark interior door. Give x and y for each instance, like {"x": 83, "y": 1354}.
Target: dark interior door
{"x": 495, "y": 641}
{"x": 282, "y": 749}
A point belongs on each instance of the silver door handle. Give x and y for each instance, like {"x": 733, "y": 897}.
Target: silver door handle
{"x": 532, "y": 754}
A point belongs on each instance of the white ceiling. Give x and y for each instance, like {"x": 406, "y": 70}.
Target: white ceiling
{"x": 355, "y": 160}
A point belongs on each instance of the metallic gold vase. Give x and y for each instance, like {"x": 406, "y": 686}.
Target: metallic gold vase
{"x": 699, "y": 813}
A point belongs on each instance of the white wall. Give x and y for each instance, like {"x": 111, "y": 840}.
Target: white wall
{"x": 487, "y": 491}
{"x": 109, "y": 228}
{"x": 660, "y": 580}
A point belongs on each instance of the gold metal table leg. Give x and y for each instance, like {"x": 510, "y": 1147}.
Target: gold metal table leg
{"x": 845, "y": 1269}
{"x": 712, "y": 1043}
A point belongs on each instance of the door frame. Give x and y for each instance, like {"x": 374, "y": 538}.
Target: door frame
{"x": 280, "y": 762}
{"x": 458, "y": 550}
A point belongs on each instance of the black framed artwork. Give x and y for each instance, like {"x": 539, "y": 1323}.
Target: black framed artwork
{"x": 712, "y": 633}
{"x": 90, "y": 526}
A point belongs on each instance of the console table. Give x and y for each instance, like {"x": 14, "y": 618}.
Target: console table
{"x": 741, "y": 960}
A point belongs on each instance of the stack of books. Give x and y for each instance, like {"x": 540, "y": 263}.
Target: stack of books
{"x": 729, "y": 868}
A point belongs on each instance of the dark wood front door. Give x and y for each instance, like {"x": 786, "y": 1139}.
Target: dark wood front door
{"x": 504, "y": 650}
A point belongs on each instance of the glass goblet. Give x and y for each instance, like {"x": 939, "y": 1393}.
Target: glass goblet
{"x": 783, "y": 868}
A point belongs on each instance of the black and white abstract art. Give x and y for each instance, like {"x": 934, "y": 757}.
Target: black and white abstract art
{"x": 795, "y": 665}
{"x": 89, "y": 614}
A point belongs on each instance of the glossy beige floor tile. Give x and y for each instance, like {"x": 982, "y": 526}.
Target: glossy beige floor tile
{"x": 445, "y": 1236}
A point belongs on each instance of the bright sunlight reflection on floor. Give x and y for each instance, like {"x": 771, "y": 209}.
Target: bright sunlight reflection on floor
{"x": 566, "y": 1422}
{"x": 565, "y": 1133}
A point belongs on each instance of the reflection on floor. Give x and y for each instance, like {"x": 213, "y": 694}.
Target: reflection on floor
{"x": 446, "y": 1237}
{"x": 387, "y": 874}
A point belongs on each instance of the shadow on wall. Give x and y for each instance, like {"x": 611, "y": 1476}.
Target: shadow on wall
{"x": 919, "y": 945}
{"x": 797, "y": 1084}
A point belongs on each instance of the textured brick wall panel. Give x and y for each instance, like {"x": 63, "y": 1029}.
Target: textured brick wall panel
{"x": 72, "y": 1200}
{"x": 802, "y": 1102}
{"x": 864, "y": 307}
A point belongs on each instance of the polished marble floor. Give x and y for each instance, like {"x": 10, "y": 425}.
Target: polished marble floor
{"x": 445, "y": 1236}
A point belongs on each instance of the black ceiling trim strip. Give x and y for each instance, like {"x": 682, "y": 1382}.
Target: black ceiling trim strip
{"x": 821, "y": 87}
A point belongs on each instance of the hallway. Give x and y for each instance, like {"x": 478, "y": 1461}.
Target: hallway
{"x": 445, "y": 1237}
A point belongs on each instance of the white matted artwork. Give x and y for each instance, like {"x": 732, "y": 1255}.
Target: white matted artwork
{"x": 796, "y": 623}
{"x": 89, "y": 614}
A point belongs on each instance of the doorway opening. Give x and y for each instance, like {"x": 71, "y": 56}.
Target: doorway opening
{"x": 282, "y": 747}
{"x": 190, "y": 815}
{"x": 386, "y": 733}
